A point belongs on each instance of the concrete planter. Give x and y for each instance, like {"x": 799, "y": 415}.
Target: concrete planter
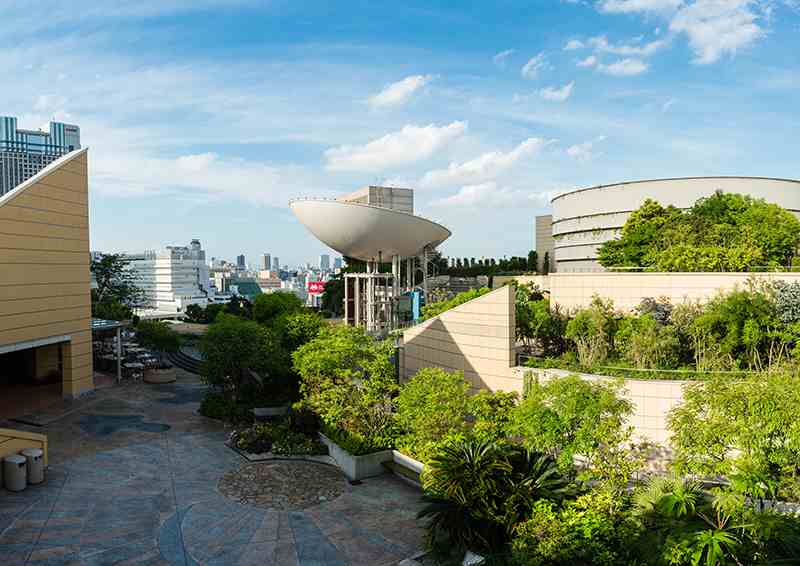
{"x": 265, "y": 413}
{"x": 407, "y": 462}
{"x": 160, "y": 375}
{"x": 357, "y": 467}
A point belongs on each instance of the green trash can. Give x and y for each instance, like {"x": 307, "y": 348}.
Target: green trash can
{"x": 15, "y": 470}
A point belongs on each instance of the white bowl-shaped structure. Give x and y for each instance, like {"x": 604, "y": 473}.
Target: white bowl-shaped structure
{"x": 367, "y": 232}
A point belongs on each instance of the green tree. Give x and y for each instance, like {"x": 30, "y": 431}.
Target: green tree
{"x": 568, "y": 417}
{"x": 349, "y": 380}
{"x": 267, "y": 308}
{"x": 237, "y": 353}
{"x": 751, "y": 424}
{"x": 546, "y": 264}
{"x": 117, "y": 293}
{"x": 158, "y": 336}
{"x": 533, "y": 261}
{"x": 722, "y": 232}
{"x": 196, "y": 314}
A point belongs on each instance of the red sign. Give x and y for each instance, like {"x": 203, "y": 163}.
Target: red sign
{"x": 316, "y": 287}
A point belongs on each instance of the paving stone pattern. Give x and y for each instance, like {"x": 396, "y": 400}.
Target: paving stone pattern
{"x": 144, "y": 490}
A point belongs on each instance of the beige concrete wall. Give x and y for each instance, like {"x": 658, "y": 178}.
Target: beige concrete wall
{"x": 541, "y": 281}
{"x": 44, "y": 266}
{"x": 476, "y": 338}
{"x": 47, "y": 360}
{"x": 575, "y": 290}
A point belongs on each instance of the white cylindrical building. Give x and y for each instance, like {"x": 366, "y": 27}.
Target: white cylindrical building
{"x": 586, "y": 218}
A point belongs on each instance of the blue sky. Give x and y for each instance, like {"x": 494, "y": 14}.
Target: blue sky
{"x": 205, "y": 117}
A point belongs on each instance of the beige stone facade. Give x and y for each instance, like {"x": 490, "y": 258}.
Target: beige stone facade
{"x": 45, "y": 300}
{"x": 476, "y": 338}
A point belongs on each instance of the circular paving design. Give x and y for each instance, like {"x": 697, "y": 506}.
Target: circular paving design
{"x": 286, "y": 486}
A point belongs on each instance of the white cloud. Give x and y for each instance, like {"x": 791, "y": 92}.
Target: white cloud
{"x": 557, "y": 94}
{"x": 482, "y": 167}
{"x": 590, "y": 61}
{"x": 411, "y": 143}
{"x": 718, "y": 27}
{"x": 573, "y": 44}
{"x": 585, "y": 151}
{"x": 484, "y": 195}
{"x": 400, "y": 92}
{"x": 631, "y": 6}
{"x": 500, "y": 58}
{"x": 668, "y": 104}
{"x": 602, "y": 45}
{"x": 624, "y": 68}
{"x": 535, "y": 64}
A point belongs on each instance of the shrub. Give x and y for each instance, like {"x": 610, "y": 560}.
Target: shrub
{"x": 298, "y": 328}
{"x": 647, "y": 344}
{"x": 594, "y": 530}
{"x": 592, "y": 331}
{"x": 436, "y": 308}
{"x": 539, "y": 325}
{"x": 742, "y": 327}
{"x": 787, "y": 301}
{"x": 567, "y": 417}
{"x": 278, "y": 438}
{"x": 431, "y": 407}
{"x": 435, "y": 407}
{"x": 348, "y": 379}
{"x": 477, "y": 492}
{"x": 744, "y": 424}
{"x": 303, "y": 420}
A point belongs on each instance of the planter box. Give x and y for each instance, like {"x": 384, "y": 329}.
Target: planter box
{"x": 357, "y": 467}
{"x": 264, "y": 413}
{"x": 407, "y": 462}
{"x": 159, "y": 375}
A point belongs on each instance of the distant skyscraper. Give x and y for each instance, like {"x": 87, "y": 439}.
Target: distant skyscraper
{"x": 266, "y": 262}
{"x": 324, "y": 262}
{"x": 276, "y": 264}
{"x": 240, "y": 261}
{"x": 23, "y": 153}
{"x": 337, "y": 263}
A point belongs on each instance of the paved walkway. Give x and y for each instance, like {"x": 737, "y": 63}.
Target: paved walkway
{"x": 133, "y": 480}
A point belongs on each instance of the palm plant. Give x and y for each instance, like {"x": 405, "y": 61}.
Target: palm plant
{"x": 477, "y": 491}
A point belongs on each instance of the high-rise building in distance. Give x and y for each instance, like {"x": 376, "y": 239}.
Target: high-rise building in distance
{"x": 240, "y": 261}
{"x": 324, "y": 262}
{"x": 276, "y": 264}
{"x": 23, "y": 153}
{"x": 266, "y": 262}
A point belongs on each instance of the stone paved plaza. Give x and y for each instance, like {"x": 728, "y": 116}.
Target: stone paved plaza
{"x": 133, "y": 479}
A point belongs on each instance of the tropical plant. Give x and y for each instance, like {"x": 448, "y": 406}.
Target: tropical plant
{"x": 647, "y": 344}
{"x": 477, "y": 492}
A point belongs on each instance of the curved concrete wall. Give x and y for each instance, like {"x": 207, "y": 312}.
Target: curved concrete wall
{"x": 584, "y": 219}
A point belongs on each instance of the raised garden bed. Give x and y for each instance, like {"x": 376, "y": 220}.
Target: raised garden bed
{"x": 357, "y": 467}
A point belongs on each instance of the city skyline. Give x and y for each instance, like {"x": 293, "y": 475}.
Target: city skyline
{"x": 514, "y": 104}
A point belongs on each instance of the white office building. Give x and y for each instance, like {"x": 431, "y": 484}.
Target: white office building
{"x": 174, "y": 278}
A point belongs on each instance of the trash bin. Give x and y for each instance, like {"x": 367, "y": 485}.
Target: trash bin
{"x": 15, "y": 472}
{"x": 35, "y": 464}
